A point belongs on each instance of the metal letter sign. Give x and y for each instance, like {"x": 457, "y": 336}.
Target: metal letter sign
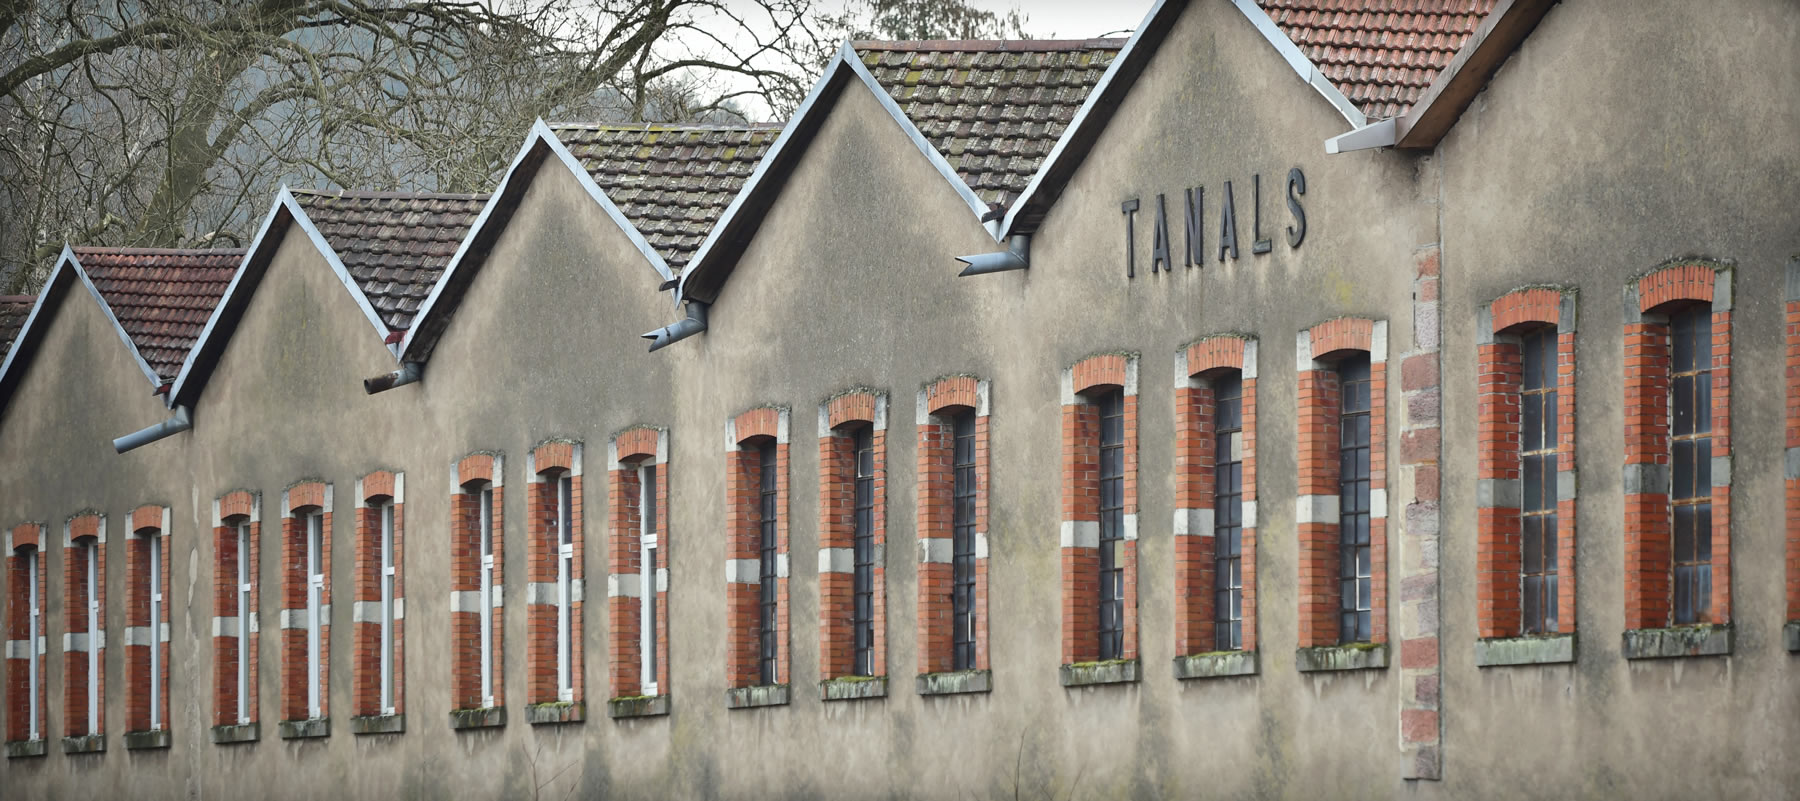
{"x": 1193, "y": 253}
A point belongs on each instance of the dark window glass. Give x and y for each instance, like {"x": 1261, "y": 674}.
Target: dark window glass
{"x": 647, "y": 499}
{"x": 1112, "y": 524}
{"x": 863, "y": 584}
{"x": 1538, "y": 465}
{"x": 1228, "y": 513}
{"x": 1355, "y": 587}
{"x": 1690, "y": 433}
{"x": 766, "y": 632}
{"x": 962, "y": 613}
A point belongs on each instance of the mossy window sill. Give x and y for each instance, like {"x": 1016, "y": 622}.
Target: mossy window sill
{"x": 753, "y": 697}
{"x": 305, "y": 729}
{"x": 236, "y": 733}
{"x": 1216, "y": 664}
{"x": 378, "y": 724}
{"x": 17, "y": 749}
{"x": 1791, "y": 634}
{"x": 85, "y": 744}
{"x": 1089, "y": 674}
{"x": 1678, "y": 641}
{"x": 556, "y": 713}
{"x": 852, "y": 688}
{"x": 638, "y": 706}
{"x": 1353, "y": 656}
{"x": 481, "y": 718}
{"x": 146, "y": 740}
{"x": 956, "y": 682}
{"x": 1554, "y": 649}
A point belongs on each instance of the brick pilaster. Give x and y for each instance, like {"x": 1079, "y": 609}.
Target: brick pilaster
{"x": 939, "y": 403}
{"x": 1080, "y": 537}
{"x": 547, "y": 465}
{"x": 627, "y": 589}
{"x": 1792, "y": 463}
{"x": 470, "y": 475}
{"x": 300, "y": 501}
{"x": 1421, "y": 672}
{"x": 745, "y": 434}
{"x": 230, "y": 510}
{"x": 1196, "y": 366}
{"x": 374, "y": 491}
{"x": 839, "y": 418}
{"x": 86, "y": 634}
{"x": 25, "y": 653}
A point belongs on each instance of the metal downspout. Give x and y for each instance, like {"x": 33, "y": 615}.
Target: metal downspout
{"x": 671, "y": 334}
{"x": 182, "y": 421}
{"x": 407, "y": 374}
{"x": 1016, "y": 256}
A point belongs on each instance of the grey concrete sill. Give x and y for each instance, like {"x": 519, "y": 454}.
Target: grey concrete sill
{"x": 1703, "y": 640}
{"x": 304, "y": 729}
{"x": 484, "y": 718}
{"x": 25, "y": 748}
{"x": 378, "y": 724}
{"x": 239, "y": 733}
{"x": 85, "y": 744}
{"x": 1217, "y": 664}
{"x": 638, "y": 706}
{"x": 1791, "y": 633}
{"x": 1554, "y": 649}
{"x": 955, "y": 682}
{"x": 851, "y": 688}
{"x": 752, "y": 697}
{"x": 146, "y": 740}
{"x": 1088, "y": 674}
{"x": 556, "y": 713}
{"x": 1361, "y": 656}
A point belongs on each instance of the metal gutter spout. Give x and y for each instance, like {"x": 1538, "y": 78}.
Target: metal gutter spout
{"x": 408, "y": 373}
{"x": 671, "y": 334}
{"x": 182, "y": 421}
{"x": 1016, "y": 256}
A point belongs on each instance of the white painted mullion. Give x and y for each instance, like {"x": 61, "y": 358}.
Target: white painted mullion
{"x": 243, "y": 623}
{"x": 34, "y": 686}
{"x": 647, "y": 579}
{"x": 387, "y": 608}
{"x": 156, "y": 601}
{"x": 94, "y": 628}
{"x": 564, "y": 566}
{"x": 486, "y": 610}
{"x": 314, "y": 585}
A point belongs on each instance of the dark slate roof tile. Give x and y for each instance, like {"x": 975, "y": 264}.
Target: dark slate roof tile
{"x": 395, "y": 245}
{"x": 162, "y": 298}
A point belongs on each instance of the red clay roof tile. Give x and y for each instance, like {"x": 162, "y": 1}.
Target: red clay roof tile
{"x": 162, "y": 298}
{"x": 1382, "y": 54}
{"x": 13, "y": 311}
{"x": 395, "y": 245}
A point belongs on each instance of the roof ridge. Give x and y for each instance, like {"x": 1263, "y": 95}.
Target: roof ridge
{"x": 998, "y": 45}
{"x": 373, "y": 195}
{"x": 98, "y": 249}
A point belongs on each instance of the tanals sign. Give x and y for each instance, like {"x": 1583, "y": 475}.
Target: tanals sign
{"x": 1195, "y": 213}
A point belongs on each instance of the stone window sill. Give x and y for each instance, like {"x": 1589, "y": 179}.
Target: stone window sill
{"x": 1216, "y": 664}
{"x": 638, "y": 706}
{"x": 1791, "y": 633}
{"x": 1360, "y": 656}
{"x": 481, "y": 718}
{"x": 378, "y": 724}
{"x": 85, "y": 744}
{"x": 146, "y": 740}
{"x": 752, "y": 697}
{"x": 25, "y": 748}
{"x": 305, "y": 729}
{"x": 1678, "y": 641}
{"x": 1553, "y": 649}
{"x": 236, "y": 733}
{"x": 556, "y": 713}
{"x": 1089, "y": 674}
{"x": 955, "y": 682}
{"x": 851, "y": 688}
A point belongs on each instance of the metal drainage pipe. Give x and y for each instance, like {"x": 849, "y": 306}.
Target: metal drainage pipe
{"x": 408, "y": 373}
{"x": 1016, "y": 256}
{"x": 182, "y": 421}
{"x": 671, "y": 334}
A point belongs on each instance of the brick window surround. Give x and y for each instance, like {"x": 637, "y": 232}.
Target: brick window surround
{"x": 472, "y": 476}
{"x": 842, "y": 420}
{"x": 1507, "y": 555}
{"x": 1084, "y": 385}
{"x": 375, "y": 576}
{"x": 84, "y": 640}
{"x": 235, "y": 629}
{"x": 1650, "y": 553}
{"x": 746, "y": 435}
{"x": 953, "y": 649}
{"x": 1318, "y": 505}
{"x": 147, "y": 621}
{"x": 25, "y": 637}
{"x": 547, "y": 465}
{"x": 1200, "y": 369}
{"x": 631, "y": 451}
{"x": 1791, "y": 472}
{"x": 299, "y": 504}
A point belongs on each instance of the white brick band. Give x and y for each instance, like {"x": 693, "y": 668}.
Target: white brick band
{"x": 1193, "y": 522}
{"x": 628, "y": 585}
{"x": 743, "y": 571}
{"x": 837, "y": 560}
{"x": 936, "y": 550}
{"x": 225, "y": 626}
{"x": 1080, "y": 534}
{"x": 1316, "y": 509}
{"x": 545, "y": 592}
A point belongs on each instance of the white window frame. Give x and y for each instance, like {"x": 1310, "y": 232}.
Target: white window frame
{"x": 315, "y": 586}
{"x": 647, "y": 564}
{"x": 387, "y": 607}
{"x": 34, "y": 630}
{"x": 156, "y": 604}
{"x": 243, "y": 623}
{"x": 565, "y": 565}
{"x": 91, "y": 555}
{"x": 485, "y": 509}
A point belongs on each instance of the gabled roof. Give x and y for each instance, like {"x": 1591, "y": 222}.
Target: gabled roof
{"x": 13, "y": 311}
{"x": 1382, "y": 54}
{"x": 394, "y": 245}
{"x": 160, "y": 297}
{"x": 671, "y": 181}
{"x": 994, "y": 109}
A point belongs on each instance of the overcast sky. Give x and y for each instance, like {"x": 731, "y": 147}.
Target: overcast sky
{"x": 1072, "y": 19}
